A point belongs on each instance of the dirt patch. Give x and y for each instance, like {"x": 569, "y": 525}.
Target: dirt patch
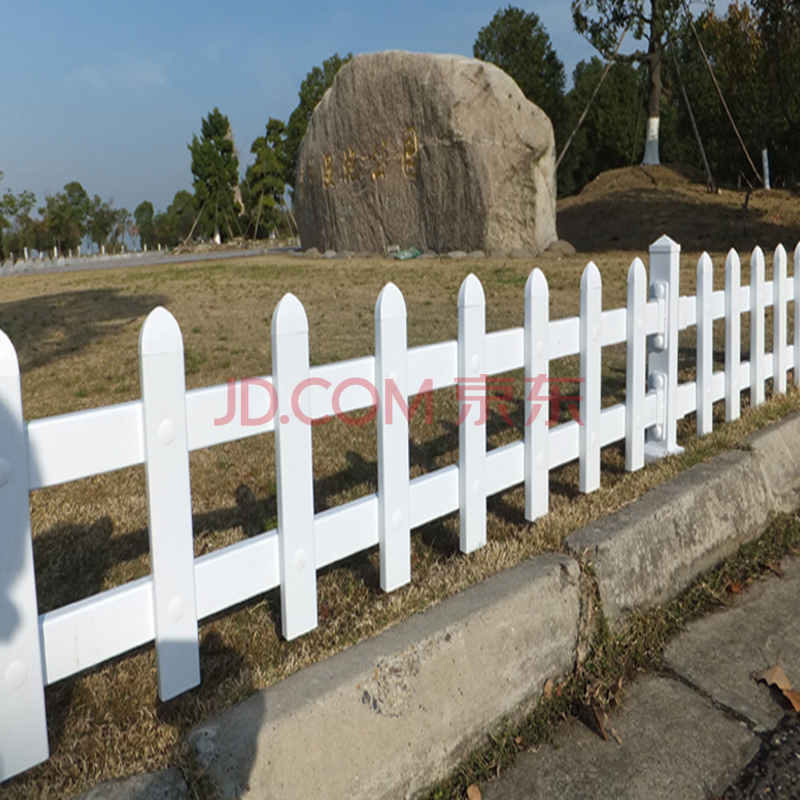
{"x": 629, "y": 208}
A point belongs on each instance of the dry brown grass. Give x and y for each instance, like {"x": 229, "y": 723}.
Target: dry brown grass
{"x": 77, "y": 335}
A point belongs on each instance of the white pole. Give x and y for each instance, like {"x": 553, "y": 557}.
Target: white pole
{"x": 471, "y": 436}
{"x": 169, "y": 504}
{"x": 537, "y": 363}
{"x": 391, "y": 359}
{"x": 23, "y": 726}
{"x": 295, "y": 469}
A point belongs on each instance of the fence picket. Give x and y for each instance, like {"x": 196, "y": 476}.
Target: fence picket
{"x": 537, "y": 364}
{"x": 591, "y": 373}
{"x": 779, "y": 358}
{"x": 797, "y": 315}
{"x": 295, "y": 468}
{"x": 169, "y": 503}
{"x": 472, "y": 436}
{"x": 636, "y": 372}
{"x": 757, "y": 327}
{"x": 23, "y": 725}
{"x": 733, "y": 336}
{"x": 391, "y": 360}
{"x": 705, "y": 345}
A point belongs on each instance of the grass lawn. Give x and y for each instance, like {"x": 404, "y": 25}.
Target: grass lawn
{"x": 77, "y": 338}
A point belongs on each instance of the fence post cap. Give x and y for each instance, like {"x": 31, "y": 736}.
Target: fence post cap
{"x": 9, "y": 364}
{"x": 160, "y": 334}
{"x": 665, "y": 245}
{"x": 289, "y": 317}
{"x": 637, "y": 271}
{"x": 471, "y": 292}
{"x": 536, "y": 285}
{"x": 390, "y": 304}
{"x": 591, "y": 277}
{"x": 704, "y": 263}
{"x": 732, "y": 259}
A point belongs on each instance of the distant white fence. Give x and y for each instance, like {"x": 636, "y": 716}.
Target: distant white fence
{"x": 167, "y": 423}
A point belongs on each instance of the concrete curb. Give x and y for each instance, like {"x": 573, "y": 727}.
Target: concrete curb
{"x": 393, "y": 714}
{"x": 651, "y": 551}
{"x": 168, "y": 784}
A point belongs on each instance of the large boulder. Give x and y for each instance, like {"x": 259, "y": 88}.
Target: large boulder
{"x": 430, "y": 151}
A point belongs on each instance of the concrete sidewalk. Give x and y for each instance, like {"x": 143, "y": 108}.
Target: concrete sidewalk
{"x": 687, "y": 733}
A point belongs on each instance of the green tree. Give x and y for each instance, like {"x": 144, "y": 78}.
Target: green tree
{"x": 4, "y": 223}
{"x": 313, "y": 87}
{"x": 42, "y": 238}
{"x": 99, "y": 220}
{"x": 263, "y": 186}
{"x": 78, "y": 201}
{"x": 122, "y": 220}
{"x": 750, "y": 48}
{"x": 603, "y": 21}
{"x": 757, "y": 56}
{"x": 65, "y": 214}
{"x": 607, "y": 139}
{"x": 215, "y": 168}
{"x": 779, "y": 25}
{"x": 780, "y": 29}
{"x": 174, "y": 225}
{"x": 18, "y": 210}
{"x": 518, "y": 43}
{"x": 144, "y": 214}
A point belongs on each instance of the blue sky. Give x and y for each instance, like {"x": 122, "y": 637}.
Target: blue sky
{"x": 110, "y": 93}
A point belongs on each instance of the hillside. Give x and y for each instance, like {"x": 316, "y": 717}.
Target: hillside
{"x": 627, "y": 209}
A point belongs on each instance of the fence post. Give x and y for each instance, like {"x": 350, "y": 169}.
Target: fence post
{"x": 295, "y": 468}
{"x": 537, "y": 363}
{"x": 636, "y": 372}
{"x": 169, "y": 503}
{"x": 471, "y": 436}
{"x": 779, "y": 365}
{"x": 757, "y": 328}
{"x": 797, "y": 315}
{"x": 592, "y": 374}
{"x": 733, "y": 336}
{"x": 23, "y": 724}
{"x": 391, "y": 364}
{"x": 665, "y": 257}
{"x": 705, "y": 345}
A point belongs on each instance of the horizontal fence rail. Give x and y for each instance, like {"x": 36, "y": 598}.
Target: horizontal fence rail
{"x": 168, "y": 422}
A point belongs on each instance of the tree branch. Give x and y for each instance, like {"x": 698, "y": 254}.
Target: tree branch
{"x": 629, "y": 58}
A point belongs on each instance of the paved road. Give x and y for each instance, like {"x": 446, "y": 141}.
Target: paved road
{"x": 150, "y": 258}
{"x": 775, "y": 772}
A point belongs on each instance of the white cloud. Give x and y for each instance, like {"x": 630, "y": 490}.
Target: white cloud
{"x": 143, "y": 75}
{"x": 89, "y": 76}
{"x": 140, "y": 75}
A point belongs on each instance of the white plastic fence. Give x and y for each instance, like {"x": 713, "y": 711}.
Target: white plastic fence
{"x": 167, "y": 423}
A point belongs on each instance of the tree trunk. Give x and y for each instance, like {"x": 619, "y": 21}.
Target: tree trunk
{"x": 654, "y": 101}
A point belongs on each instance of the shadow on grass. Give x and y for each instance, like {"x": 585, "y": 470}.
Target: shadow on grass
{"x": 46, "y": 327}
{"x": 633, "y": 220}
